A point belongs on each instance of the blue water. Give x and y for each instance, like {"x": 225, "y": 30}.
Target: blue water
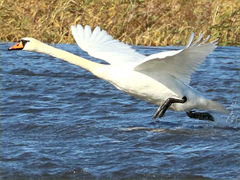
{"x": 59, "y": 121}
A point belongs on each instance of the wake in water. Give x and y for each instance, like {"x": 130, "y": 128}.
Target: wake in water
{"x": 233, "y": 119}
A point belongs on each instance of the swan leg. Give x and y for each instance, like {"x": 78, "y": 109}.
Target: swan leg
{"x": 162, "y": 109}
{"x": 200, "y": 115}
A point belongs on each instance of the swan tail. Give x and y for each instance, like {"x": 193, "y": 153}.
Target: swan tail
{"x": 215, "y": 106}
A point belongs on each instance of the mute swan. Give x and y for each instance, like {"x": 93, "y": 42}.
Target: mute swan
{"x": 162, "y": 78}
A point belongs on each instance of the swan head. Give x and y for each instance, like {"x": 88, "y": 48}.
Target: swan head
{"x": 26, "y": 44}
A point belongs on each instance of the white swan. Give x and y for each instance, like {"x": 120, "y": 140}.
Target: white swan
{"x": 162, "y": 78}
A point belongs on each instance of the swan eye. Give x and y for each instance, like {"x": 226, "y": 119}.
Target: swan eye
{"x": 24, "y": 41}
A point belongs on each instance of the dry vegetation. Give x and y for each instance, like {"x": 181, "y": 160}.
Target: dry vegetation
{"x": 145, "y": 22}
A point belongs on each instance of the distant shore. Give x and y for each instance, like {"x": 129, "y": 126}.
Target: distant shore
{"x": 138, "y": 22}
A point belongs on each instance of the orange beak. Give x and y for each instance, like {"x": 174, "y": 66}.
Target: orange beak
{"x": 18, "y": 46}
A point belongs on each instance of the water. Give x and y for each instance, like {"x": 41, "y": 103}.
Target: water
{"x": 59, "y": 121}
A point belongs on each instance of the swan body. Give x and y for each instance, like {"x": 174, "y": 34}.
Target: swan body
{"x": 153, "y": 78}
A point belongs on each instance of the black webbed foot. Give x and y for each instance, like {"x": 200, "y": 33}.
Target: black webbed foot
{"x": 200, "y": 115}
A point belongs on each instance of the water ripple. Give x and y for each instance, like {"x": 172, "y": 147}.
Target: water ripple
{"x": 60, "y": 122}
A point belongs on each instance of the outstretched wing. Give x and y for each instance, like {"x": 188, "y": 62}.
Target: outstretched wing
{"x": 180, "y": 63}
{"x": 99, "y": 44}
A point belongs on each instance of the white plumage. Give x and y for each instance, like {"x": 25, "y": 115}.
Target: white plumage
{"x": 153, "y": 78}
{"x": 101, "y": 45}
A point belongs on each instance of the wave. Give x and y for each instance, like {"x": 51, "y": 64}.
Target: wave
{"x": 48, "y": 73}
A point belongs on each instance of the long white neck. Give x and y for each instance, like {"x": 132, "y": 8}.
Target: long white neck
{"x": 91, "y": 66}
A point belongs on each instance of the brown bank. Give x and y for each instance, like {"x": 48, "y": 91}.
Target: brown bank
{"x": 141, "y": 22}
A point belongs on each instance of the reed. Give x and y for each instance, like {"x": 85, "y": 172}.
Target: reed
{"x": 139, "y": 22}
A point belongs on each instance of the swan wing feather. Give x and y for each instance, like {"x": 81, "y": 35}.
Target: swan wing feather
{"x": 179, "y": 63}
{"x": 99, "y": 44}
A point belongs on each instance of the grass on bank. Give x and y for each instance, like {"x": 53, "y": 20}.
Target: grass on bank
{"x": 140, "y": 22}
